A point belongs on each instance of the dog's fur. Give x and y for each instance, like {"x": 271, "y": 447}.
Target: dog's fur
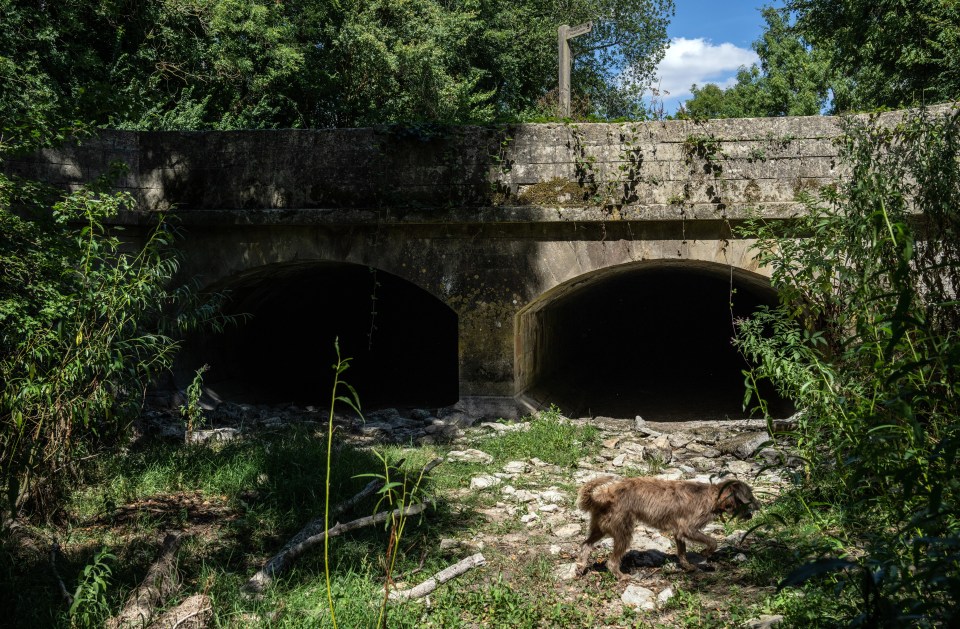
{"x": 678, "y": 508}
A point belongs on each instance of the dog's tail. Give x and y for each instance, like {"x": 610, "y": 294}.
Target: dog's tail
{"x": 588, "y": 501}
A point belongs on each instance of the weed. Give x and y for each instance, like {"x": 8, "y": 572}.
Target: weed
{"x": 90, "y": 607}
{"x": 191, "y": 411}
{"x": 353, "y": 402}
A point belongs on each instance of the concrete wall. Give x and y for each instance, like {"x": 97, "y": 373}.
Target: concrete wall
{"x": 495, "y": 222}
{"x": 654, "y": 169}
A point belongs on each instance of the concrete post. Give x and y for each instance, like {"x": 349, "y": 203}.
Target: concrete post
{"x": 564, "y": 35}
{"x": 564, "y": 56}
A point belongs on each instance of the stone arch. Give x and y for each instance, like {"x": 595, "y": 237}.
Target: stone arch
{"x": 648, "y": 338}
{"x": 401, "y": 339}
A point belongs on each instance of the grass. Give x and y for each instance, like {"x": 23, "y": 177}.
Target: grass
{"x": 243, "y": 499}
{"x": 550, "y": 437}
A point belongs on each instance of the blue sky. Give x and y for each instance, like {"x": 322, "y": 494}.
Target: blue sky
{"x": 709, "y": 41}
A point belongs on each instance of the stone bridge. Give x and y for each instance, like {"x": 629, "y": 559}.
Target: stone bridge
{"x": 588, "y": 265}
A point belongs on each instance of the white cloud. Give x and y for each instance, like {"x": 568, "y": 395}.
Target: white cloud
{"x": 689, "y": 61}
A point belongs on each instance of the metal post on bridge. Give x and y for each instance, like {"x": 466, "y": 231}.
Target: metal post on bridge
{"x": 564, "y": 35}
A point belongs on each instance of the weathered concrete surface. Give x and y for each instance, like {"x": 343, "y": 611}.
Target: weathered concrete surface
{"x": 654, "y": 168}
{"x": 498, "y": 224}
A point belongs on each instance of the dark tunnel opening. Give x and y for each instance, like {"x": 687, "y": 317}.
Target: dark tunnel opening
{"x": 654, "y": 342}
{"x": 402, "y": 341}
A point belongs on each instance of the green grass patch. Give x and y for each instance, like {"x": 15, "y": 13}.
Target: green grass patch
{"x": 550, "y": 438}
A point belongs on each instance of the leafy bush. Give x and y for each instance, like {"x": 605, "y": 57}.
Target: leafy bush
{"x": 866, "y": 341}
{"x": 86, "y": 322}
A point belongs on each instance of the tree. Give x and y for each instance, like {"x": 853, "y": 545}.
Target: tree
{"x": 222, "y": 64}
{"x": 862, "y": 54}
{"x": 792, "y": 79}
{"x": 884, "y": 53}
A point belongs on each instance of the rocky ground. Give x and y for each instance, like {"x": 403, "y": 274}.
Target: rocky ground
{"x": 543, "y": 498}
{"x": 529, "y": 506}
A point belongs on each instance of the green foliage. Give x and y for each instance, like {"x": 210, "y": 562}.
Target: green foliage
{"x": 550, "y": 437}
{"x": 398, "y": 492}
{"x": 192, "y": 412}
{"x": 855, "y": 55}
{"x": 790, "y": 81}
{"x": 229, "y": 64}
{"x": 884, "y": 53}
{"x": 79, "y": 332}
{"x": 90, "y": 607}
{"x": 866, "y": 342}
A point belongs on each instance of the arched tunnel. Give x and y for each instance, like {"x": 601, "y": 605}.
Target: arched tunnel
{"x": 651, "y": 340}
{"x": 401, "y": 340}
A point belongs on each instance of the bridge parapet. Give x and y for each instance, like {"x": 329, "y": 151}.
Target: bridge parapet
{"x": 648, "y": 171}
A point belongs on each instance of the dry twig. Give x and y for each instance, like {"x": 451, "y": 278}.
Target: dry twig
{"x": 448, "y": 573}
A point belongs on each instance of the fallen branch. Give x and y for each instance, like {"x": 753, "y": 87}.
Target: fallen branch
{"x": 282, "y": 561}
{"x": 263, "y": 578}
{"x": 448, "y": 573}
{"x": 193, "y": 613}
{"x": 159, "y": 585}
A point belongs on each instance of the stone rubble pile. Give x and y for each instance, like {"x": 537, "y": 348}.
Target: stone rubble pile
{"x": 541, "y": 498}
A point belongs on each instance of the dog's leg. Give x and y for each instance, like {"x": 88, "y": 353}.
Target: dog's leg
{"x": 710, "y": 544}
{"x": 593, "y": 537}
{"x": 621, "y": 543}
{"x": 682, "y": 554}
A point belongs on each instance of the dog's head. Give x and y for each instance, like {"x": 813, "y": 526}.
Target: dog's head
{"x": 735, "y": 498}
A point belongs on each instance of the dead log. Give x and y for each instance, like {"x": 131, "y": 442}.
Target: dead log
{"x": 448, "y": 573}
{"x": 64, "y": 593}
{"x": 282, "y": 561}
{"x": 263, "y": 578}
{"x": 160, "y": 584}
{"x": 195, "y": 612}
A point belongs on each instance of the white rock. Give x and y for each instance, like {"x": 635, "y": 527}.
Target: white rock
{"x": 530, "y": 517}
{"x": 508, "y": 490}
{"x": 740, "y": 468}
{"x": 470, "y": 456}
{"x": 618, "y": 460}
{"x": 554, "y": 549}
{"x": 640, "y": 597}
{"x": 739, "y": 558}
{"x": 735, "y": 538}
{"x": 641, "y": 426}
{"x": 703, "y": 450}
{"x": 516, "y": 467}
{"x": 670, "y": 474}
{"x": 665, "y": 595}
{"x": 522, "y": 495}
{"x": 567, "y": 530}
{"x": 538, "y": 463}
{"x": 484, "y": 481}
{"x": 550, "y": 508}
{"x": 565, "y": 572}
{"x": 764, "y": 622}
{"x": 552, "y": 495}
{"x": 743, "y": 445}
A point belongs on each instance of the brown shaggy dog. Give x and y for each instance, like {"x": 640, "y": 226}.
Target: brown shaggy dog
{"x": 677, "y": 508}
